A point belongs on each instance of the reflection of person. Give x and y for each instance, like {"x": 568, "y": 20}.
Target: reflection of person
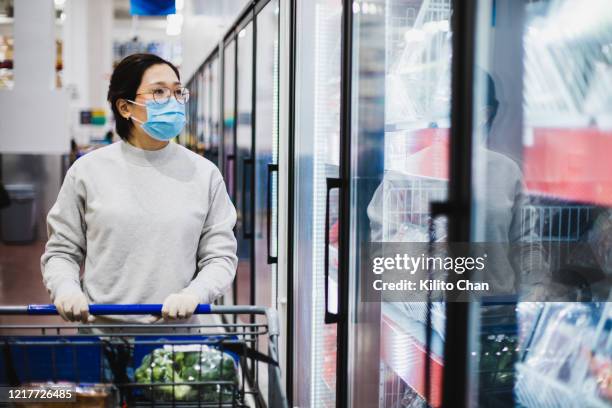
{"x": 399, "y": 208}
{"x": 150, "y": 220}
{"x": 399, "y": 212}
{"x": 507, "y": 214}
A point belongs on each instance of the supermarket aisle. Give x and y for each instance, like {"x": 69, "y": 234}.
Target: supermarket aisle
{"x": 335, "y": 125}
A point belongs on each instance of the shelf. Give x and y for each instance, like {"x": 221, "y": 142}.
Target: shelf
{"x": 403, "y": 350}
{"x": 534, "y": 389}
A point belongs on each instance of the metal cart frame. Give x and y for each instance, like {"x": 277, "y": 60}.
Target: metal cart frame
{"x": 240, "y": 339}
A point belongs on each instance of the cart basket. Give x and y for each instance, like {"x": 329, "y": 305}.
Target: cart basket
{"x": 161, "y": 365}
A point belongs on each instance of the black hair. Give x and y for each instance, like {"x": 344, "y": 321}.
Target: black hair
{"x": 125, "y": 81}
{"x": 491, "y": 102}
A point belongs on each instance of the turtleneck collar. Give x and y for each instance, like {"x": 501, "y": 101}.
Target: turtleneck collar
{"x": 143, "y": 157}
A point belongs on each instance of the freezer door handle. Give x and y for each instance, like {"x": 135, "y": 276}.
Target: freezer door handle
{"x": 228, "y": 175}
{"x": 247, "y": 232}
{"x": 330, "y": 317}
{"x": 272, "y": 167}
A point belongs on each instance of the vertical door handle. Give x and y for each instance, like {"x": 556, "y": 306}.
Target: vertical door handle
{"x": 247, "y": 232}
{"x": 229, "y": 158}
{"x": 272, "y": 167}
{"x": 329, "y": 316}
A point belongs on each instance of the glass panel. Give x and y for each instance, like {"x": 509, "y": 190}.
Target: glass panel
{"x": 214, "y": 125}
{"x": 196, "y": 115}
{"x": 208, "y": 99}
{"x": 266, "y": 157}
{"x": 399, "y": 165}
{"x": 195, "y": 110}
{"x": 191, "y": 111}
{"x": 198, "y": 138}
{"x": 543, "y": 183}
{"x": 266, "y": 152}
{"x": 187, "y": 129}
{"x": 244, "y": 165}
{"x": 229, "y": 160}
{"x": 203, "y": 138}
{"x": 317, "y": 138}
{"x": 210, "y": 140}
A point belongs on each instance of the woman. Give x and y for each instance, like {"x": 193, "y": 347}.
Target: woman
{"x": 150, "y": 220}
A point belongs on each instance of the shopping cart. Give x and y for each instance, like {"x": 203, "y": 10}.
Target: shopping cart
{"x": 161, "y": 365}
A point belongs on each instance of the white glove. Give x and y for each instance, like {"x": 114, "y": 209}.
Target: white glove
{"x": 179, "y": 306}
{"x": 73, "y": 306}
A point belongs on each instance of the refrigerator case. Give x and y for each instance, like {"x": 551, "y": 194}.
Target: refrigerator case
{"x": 227, "y": 131}
{"x": 412, "y": 116}
{"x": 266, "y": 154}
{"x": 212, "y": 152}
{"x": 559, "y": 354}
{"x": 317, "y": 146}
{"x": 245, "y": 282}
{"x": 565, "y": 200}
{"x": 266, "y": 160}
{"x": 568, "y": 89}
{"x": 229, "y": 117}
{"x": 399, "y": 157}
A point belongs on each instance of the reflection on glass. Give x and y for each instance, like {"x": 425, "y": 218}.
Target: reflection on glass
{"x": 266, "y": 158}
{"x": 192, "y": 109}
{"x": 202, "y": 114}
{"x": 317, "y": 159}
{"x": 400, "y": 155}
{"x": 208, "y": 138}
{"x": 229, "y": 67}
{"x": 214, "y": 120}
{"x": 228, "y": 159}
{"x": 542, "y": 179}
{"x": 189, "y": 125}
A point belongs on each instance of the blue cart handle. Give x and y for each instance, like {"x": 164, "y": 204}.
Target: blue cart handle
{"x": 129, "y": 309}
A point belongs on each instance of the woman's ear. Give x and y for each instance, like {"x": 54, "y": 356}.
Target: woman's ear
{"x": 123, "y": 108}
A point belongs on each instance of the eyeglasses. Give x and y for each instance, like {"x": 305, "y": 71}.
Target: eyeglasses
{"x": 162, "y": 96}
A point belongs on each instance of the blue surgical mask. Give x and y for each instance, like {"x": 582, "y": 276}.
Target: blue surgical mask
{"x": 164, "y": 122}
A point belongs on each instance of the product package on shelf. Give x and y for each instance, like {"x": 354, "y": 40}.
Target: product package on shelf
{"x": 568, "y": 361}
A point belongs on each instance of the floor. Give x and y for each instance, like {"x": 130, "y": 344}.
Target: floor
{"x": 21, "y": 281}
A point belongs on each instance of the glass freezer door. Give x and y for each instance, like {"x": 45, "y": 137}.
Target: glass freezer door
{"x": 401, "y": 60}
{"x": 245, "y": 289}
{"x": 542, "y": 182}
{"x": 204, "y": 139}
{"x": 317, "y": 145}
{"x": 213, "y": 118}
{"x": 266, "y": 153}
{"x": 229, "y": 117}
{"x": 228, "y": 129}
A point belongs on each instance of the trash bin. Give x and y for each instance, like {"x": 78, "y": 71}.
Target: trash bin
{"x": 19, "y": 218}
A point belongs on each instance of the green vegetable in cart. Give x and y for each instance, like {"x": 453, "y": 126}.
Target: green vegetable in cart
{"x": 206, "y": 364}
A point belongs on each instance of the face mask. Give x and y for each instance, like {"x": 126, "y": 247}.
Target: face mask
{"x": 164, "y": 122}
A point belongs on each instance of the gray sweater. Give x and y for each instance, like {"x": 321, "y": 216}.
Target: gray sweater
{"x": 144, "y": 224}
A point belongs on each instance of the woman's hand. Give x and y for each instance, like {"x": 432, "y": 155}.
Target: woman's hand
{"x": 73, "y": 306}
{"x": 179, "y": 306}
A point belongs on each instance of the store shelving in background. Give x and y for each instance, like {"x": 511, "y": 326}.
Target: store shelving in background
{"x": 7, "y": 44}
